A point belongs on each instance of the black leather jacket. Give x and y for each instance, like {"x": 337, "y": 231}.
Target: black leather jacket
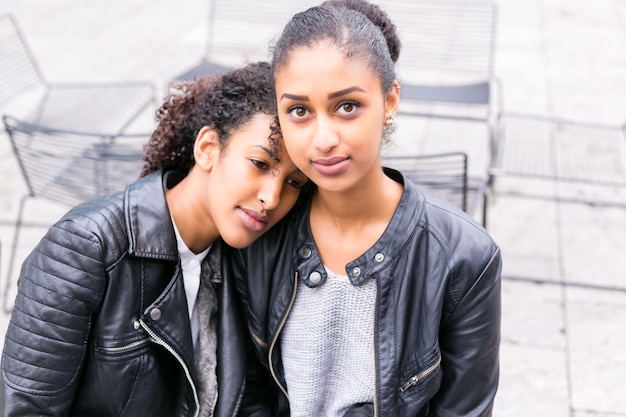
{"x": 100, "y": 325}
{"x": 437, "y": 328}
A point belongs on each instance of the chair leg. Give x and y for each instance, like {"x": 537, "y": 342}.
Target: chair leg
{"x": 485, "y": 202}
{"x": 489, "y": 189}
{"x": 7, "y": 285}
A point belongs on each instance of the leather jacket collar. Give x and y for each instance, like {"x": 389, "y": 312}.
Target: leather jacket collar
{"x": 145, "y": 240}
{"x": 378, "y": 257}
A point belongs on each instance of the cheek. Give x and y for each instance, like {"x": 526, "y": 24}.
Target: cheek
{"x": 294, "y": 151}
{"x": 287, "y": 201}
{"x": 289, "y": 127}
{"x": 295, "y": 142}
{"x": 228, "y": 168}
{"x": 371, "y": 134}
{"x": 222, "y": 176}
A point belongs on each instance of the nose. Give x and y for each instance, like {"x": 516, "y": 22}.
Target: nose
{"x": 325, "y": 137}
{"x": 269, "y": 194}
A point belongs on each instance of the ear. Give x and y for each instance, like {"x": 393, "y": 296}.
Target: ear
{"x": 392, "y": 100}
{"x": 206, "y": 148}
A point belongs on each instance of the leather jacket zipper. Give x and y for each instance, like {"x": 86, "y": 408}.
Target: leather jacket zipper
{"x": 256, "y": 338}
{"x": 375, "y": 353}
{"x": 415, "y": 378}
{"x": 280, "y": 328}
{"x": 126, "y": 348}
{"x": 156, "y": 339}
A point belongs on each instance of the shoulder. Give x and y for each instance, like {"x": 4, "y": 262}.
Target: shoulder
{"x": 466, "y": 246}
{"x": 454, "y": 227}
{"x": 95, "y": 219}
{"x": 474, "y": 258}
{"x": 106, "y": 222}
{"x": 95, "y": 229}
{"x": 451, "y": 227}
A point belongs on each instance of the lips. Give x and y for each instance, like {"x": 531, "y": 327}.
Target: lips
{"x": 331, "y": 166}
{"x": 253, "y": 219}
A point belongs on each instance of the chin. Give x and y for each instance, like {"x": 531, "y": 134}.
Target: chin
{"x": 239, "y": 242}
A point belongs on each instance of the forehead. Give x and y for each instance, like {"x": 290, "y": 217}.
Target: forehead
{"x": 255, "y": 131}
{"x": 322, "y": 64}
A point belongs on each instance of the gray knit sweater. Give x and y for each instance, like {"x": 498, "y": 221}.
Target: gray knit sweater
{"x": 328, "y": 347}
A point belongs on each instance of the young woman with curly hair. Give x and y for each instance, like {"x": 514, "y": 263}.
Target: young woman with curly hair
{"x": 108, "y": 319}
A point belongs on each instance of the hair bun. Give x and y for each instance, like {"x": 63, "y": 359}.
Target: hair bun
{"x": 377, "y": 16}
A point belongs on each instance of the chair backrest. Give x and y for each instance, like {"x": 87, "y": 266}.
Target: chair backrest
{"x": 443, "y": 174}
{"x": 18, "y": 68}
{"x": 447, "y": 56}
{"x": 70, "y": 167}
{"x": 242, "y": 30}
{"x": 445, "y": 41}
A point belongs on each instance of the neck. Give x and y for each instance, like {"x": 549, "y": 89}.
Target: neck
{"x": 345, "y": 224}
{"x": 374, "y": 198}
{"x": 187, "y": 211}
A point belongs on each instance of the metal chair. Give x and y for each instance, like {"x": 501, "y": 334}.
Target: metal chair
{"x": 446, "y": 62}
{"x": 239, "y": 31}
{"x": 84, "y": 107}
{"x": 555, "y": 149}
{"x": 70, "y": 167}
{"x": 69, "y": 137}
{"x": 446, "y": 175}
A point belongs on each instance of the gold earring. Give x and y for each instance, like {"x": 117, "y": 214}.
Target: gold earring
{"x": 388, "y": 122}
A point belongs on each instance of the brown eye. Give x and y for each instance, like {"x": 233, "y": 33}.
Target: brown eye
{"x": 259, "y": 164}
{"x": 298, "y": 112}
{"x": 348, "y": 107}
{"x": 296, "y": 183}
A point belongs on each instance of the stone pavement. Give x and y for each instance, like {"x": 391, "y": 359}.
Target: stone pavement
{"x": 564, "y": 287}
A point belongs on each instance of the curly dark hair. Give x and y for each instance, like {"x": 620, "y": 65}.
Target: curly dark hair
{"x": 224, "y": 102}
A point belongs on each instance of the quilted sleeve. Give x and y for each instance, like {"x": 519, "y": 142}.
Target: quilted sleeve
{"x": 59, "y": 288}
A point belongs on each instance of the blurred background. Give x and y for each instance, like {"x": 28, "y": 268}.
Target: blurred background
{"x": 560, "y": 63}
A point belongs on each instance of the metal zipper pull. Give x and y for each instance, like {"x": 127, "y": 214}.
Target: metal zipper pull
{"x": 409, "y": 383}
{"x": 415, "y": 378}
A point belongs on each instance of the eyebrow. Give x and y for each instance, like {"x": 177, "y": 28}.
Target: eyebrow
{"x": 330, "y": 95}
{"x": 269, "y": 152}
{"x": 294, "y": 97}
{"x": 345, "y": 91}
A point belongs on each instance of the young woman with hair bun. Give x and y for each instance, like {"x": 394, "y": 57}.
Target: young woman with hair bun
{"x": 376, "y": 299}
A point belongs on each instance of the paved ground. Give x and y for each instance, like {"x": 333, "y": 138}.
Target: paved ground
{"x": 564, "y": 290}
